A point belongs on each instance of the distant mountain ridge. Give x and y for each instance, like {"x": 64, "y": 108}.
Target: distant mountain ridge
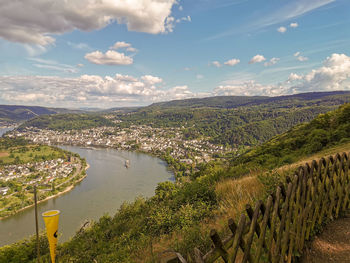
{"x": 18, "y": 113}
{"x": 236, "y": 101}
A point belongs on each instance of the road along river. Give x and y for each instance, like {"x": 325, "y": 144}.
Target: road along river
{"x": 108, "y": 184}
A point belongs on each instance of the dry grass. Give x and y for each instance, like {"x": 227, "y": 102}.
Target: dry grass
{"x": 234, "y": 194}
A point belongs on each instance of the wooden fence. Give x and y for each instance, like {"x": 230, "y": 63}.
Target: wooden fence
{"x": 276, "y": 230}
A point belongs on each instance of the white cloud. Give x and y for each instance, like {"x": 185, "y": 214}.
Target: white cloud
{"x": 282, "y": 29}
{"x": 302, "y": 58}
{"x": 296, "y": 54}
{"x": 81, "y": 46}
{"x": 293, "y": 25}
{"x": 120, "y": 44}
{"x": 185, "y": 18}
{"x": 272, "y": 61}
{"x": 35, "y": 21}
{"x": 232, "y": 62}
{"x": 53, "y": 65}
{"x": 257, "y": 59}
{"x": 288, "y": 10}
{"x": 88, "y": 90}
{"x": 181, "y": 8}
{"x": 131, "y": 49}
{"x": 151, "y": 79}
{"x": 111, "y": 57}
{"x": 216, "y": 64}
{"x": 123, "y": 45}
{"x": 293, "y": 77}
{"x": 124, "y": 90}
{"x": 332, "y": 76}
{"x": 199, "y": 76}
{"x": 249, "y": 88}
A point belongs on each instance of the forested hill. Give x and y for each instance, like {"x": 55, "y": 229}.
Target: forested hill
{"x": 61, "y": 122}
{"x": 15, "y": 113}
{"x": 326, "y": 130}
{"x": 237, "y": 120}
{"x": 237, "y": 101}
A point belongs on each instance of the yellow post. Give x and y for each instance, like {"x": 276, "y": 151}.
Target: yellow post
{"x": 51, "y": 223}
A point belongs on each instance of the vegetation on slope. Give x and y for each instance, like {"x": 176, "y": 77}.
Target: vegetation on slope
{"x": 179, "y": 216}
{"x": 67, "y": 121}
{"x": 16, "y": 113}
{"x": 234, "y": 120}
{"x": 326, "y": 130}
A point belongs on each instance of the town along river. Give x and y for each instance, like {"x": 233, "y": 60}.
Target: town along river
{"x": 108, "y": 184}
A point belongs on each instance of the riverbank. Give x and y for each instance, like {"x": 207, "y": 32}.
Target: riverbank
{"x": 67, "y": 189}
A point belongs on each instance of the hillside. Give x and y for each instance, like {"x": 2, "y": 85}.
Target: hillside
{"x": 325, "y": 131}
{"x": 16, "y": 113}
{"x": 237, "y": 101}
{"x": 67, "y": 121}
{"x": 179, "y": 216}
{"x": 235, "y": 120}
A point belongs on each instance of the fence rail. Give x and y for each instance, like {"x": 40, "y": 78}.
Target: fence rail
{"x": 276, "y": 230}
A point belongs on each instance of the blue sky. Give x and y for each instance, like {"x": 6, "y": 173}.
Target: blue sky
{"x": 115, "y": 53}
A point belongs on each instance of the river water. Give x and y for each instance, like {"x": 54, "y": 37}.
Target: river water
{"x": 108, "y": 184}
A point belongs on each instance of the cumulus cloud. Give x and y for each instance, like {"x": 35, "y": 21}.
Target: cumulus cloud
{"x": 123, "y": 45}
{"x": 292, "y": 77}
{"x": 249, "y": 88}
{"x": 111, "y": 57}
{"x": 300, "y": 57}
{"x": 332, "y": 76}
{"x": 151, "y": 79}
{"x": 293, "y": 25}
{"x": 232, "y": 62}
{"x": 124, "y": 90}
{"x": 36, "y": 21}
{"x": 272, "y": 61}
{"x": 88, "y": 90}
{"x": 257, "y": 59}
{"x": 282, "y": 29}
{"x": 216, "y": 64}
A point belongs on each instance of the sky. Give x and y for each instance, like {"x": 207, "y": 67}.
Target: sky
{"x": 117, "y": 53}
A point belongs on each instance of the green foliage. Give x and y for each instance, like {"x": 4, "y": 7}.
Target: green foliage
{"x": 270, "y": 180}
{"x": 62, "y": 122}
{"x": 6, "y": 142}
{"x": 24, "y": 251}
{"x": 235, "y": 120}
{"x": 326, "y": 130}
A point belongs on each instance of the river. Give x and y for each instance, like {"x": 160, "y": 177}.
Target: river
{"x": 108, "y": 184}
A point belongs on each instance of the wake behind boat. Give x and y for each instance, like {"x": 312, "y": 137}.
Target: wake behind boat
{"x": 127, "y": 163}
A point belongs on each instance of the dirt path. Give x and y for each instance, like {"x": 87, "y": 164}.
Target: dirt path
{"x": 332, "y": 245}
